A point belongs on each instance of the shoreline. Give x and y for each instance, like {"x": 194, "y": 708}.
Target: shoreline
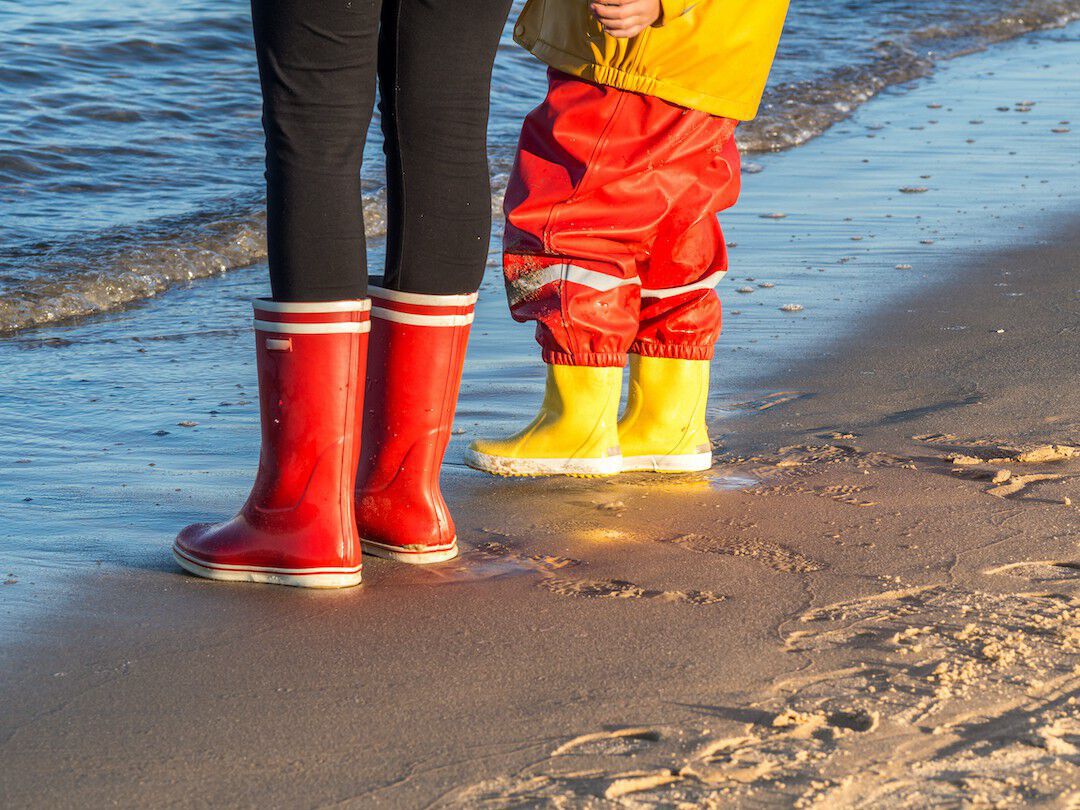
{"x": 123, "y": 260}
{"x": 867, "y": 623}
{"x": 778, "y": 613}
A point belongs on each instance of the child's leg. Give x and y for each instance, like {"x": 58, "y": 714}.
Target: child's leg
{"x": 578, "y": 281}
{"x": 663, "y": 428}
{"x": 600, "y": 175}
{"x": 680, "y": 311}
{"x": 570, "y": 259}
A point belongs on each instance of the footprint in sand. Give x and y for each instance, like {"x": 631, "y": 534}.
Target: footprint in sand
{"x": 1040, "y": 570}
{"x": 678, "y": 767}
{"x": 492, "y": 560}
{"x": 799, "y": 460}
{"x": 1017, "y": 484}
{"x": 1006, "y": 483}
{"x": 610, "y": 743}
{"x": 844, "y": 493}
{"x": 910, "y": 414}
{"x": 621, "y": 589}
{"x": 539, "y": 562}
{"x": 588, "y": 588}
{"x": 771, "y": 555}
{"x": 771, "y": 400}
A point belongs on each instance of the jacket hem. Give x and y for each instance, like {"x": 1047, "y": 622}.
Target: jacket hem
{"x": 637, "y": 82}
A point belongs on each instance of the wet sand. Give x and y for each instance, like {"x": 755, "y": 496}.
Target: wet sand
{"x": 857, "y": 607}
{"x": 878, "y": 620}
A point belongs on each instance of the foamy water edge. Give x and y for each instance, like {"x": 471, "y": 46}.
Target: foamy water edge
{"x": 122, "y": 266}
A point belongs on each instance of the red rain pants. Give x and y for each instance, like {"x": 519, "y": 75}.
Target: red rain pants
{"x": 611, "y": 243}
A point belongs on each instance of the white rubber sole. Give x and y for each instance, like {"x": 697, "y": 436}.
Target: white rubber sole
{"x": 435, "y": 555}
{"x": 688, "y": 462}
{"x": 295, "y": 577}
{"x": 504, "y": 465}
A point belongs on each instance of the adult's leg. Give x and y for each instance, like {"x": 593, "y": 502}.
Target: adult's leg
{"x": 317, "y": 61}
{"x": 435, "y": 59}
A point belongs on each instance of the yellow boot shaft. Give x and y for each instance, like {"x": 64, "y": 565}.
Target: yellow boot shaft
{"x": 575, "y": 432}
{"x": 663, "y": 427}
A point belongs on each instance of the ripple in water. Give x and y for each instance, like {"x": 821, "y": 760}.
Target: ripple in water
{"x": 126, "y": 125}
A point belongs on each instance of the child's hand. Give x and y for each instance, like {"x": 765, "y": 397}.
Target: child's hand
{"x": 625, "y": 18}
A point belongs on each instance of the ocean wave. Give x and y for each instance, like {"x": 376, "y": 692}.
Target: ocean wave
{"x": 121, "y": 266}
{"x": 46, "y": 284}
{"x": 794, "y": 112}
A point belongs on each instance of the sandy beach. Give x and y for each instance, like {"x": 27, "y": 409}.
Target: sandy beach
{"x": 873, "y": 600}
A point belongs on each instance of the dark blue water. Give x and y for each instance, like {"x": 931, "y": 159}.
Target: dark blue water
{"x": 131, "y": 153}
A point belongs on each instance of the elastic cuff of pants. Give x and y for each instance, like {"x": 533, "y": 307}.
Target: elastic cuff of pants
{"x": 598, "y": 360}
{"x": 676, "y": 352}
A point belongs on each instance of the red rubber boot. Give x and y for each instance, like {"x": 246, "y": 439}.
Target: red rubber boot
{"x": 297, "y": 525}
{"x": 414, "y": 372}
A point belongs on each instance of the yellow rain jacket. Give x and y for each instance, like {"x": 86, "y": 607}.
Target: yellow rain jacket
{"x": 710, "y": 55}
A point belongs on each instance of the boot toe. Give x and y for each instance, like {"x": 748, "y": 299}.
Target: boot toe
{"x": 491, "y": 458}
{"x": 189, "y": 536}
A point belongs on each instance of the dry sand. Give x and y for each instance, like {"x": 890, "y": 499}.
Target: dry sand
{"x": 880, "y": 618}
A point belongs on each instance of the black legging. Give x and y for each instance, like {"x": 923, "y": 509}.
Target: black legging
{"x": 318, "y": 60}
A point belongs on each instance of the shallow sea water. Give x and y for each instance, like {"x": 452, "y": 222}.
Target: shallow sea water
{"x": 120, "y": 429}
{"x": 131, "y": 152}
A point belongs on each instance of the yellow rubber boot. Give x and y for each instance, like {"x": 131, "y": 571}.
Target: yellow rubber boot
{"x": 663, "y": 428}
{"x": 575, "y": 432}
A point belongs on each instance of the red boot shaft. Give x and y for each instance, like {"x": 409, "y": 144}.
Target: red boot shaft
{"x": 296, "y": 527}
{"x": 414, "y": 372}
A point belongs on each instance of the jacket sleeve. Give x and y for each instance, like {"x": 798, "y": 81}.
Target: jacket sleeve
{"x": 672, "y": 9}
